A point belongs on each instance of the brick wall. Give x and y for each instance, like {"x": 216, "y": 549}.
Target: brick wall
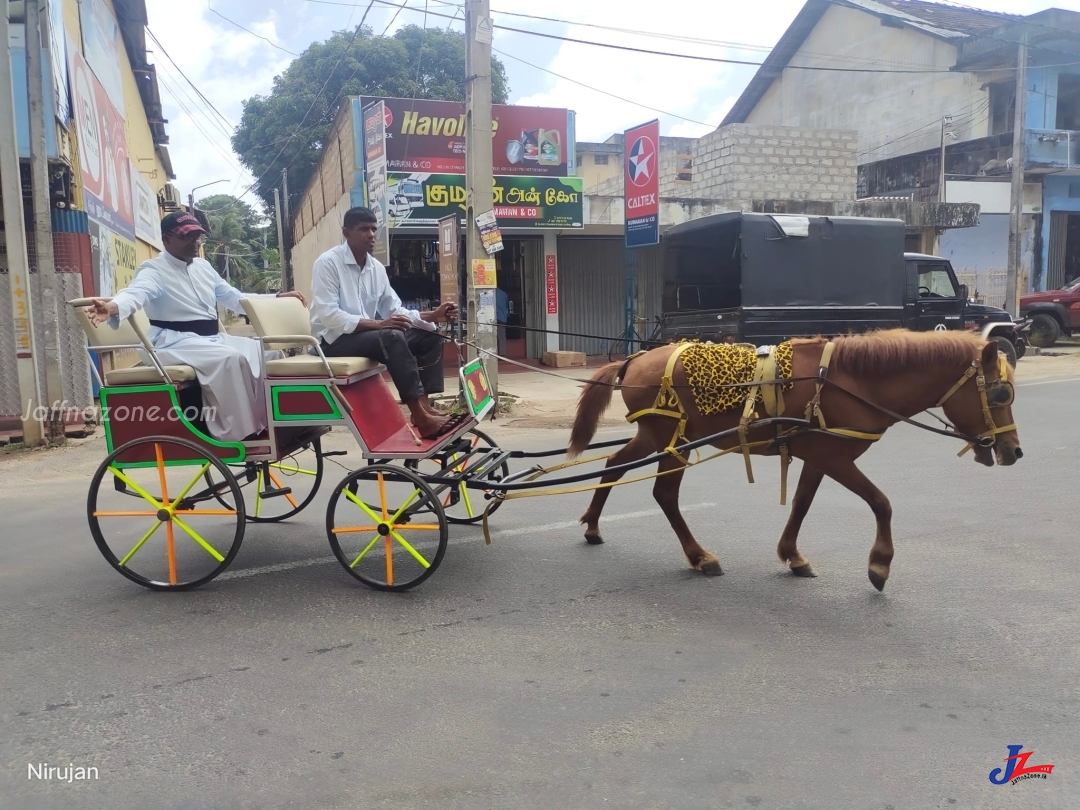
{"x": 747, "y": 161}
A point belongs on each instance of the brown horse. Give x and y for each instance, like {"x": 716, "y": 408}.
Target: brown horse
{"x": 899, "y": 371}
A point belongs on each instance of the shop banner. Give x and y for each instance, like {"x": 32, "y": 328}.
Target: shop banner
{"x": 103, "y": 155}
{"x": 641, "y": 181}
{"x": 147, "y": 222}
{"x": 429, "y": 136}
{"x": 449, "y": 240}
{"x": 421, "y": 200}
{"x": 113, "y": 258}
{"x": 101, "y": 40}
{"x": 375, "y": 162}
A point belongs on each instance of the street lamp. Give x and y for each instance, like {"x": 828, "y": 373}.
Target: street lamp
{"x": 191, "y": 196}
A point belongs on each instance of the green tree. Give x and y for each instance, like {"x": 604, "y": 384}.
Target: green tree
{"x": 235, "y": 245}
{"x": 413, "y": 63}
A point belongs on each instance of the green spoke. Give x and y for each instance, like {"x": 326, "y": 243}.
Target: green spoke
{"x": 292, "y": 470}
{"x": 363, "y": 553}
{"x": 190, "y": 486}
{"x": 145, "y": 537}
{"x": 194, "y": 536}
{"x": 364, "y": 506}
{"x": 466, "y": 499}
{"x": 146, "y": 495}
{"x": 406, "y": 545}
{"x": 258, "y": 492}
{"x": 393, "y": 518}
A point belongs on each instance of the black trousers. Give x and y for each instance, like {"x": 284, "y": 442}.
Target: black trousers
{"x": 413, "y": 357}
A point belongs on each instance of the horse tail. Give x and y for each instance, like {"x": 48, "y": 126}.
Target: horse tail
{"x": 594, "y": 400}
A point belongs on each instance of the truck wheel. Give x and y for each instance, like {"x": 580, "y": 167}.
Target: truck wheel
{"x": 1006, "y": 348}
{"x": 1045, "y": 330}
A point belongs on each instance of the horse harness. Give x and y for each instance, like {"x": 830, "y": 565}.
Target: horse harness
{"x": 766, "y": 386}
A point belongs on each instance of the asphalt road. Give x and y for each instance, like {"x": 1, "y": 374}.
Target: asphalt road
{"x": 540, "y": 672}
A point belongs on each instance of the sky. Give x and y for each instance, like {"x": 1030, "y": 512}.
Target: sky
{"x": 608, "y": 90}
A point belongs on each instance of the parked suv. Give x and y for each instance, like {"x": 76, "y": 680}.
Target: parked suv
{"x": 1053, "y": 313}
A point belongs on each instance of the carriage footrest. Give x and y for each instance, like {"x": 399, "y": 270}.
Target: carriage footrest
{"x": 275, "y": 493}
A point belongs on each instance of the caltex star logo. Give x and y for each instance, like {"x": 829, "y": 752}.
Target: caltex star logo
{"x": 642, "y": 161}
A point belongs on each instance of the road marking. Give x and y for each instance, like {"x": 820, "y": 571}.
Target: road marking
{"x": 564, "y": 524}
{"x": 1048, "y": 382}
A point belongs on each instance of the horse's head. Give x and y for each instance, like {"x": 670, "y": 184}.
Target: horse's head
{"x": 981, "y": 406}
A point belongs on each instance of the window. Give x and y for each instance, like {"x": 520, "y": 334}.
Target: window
{"x": 1002, "y": 107}
{"x": 935, "y": 282}
{"x": 1068, "y": 102}
{"x": 600, "y": 160}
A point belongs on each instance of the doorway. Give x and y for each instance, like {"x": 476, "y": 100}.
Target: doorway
{"x": 1063, "y": 261}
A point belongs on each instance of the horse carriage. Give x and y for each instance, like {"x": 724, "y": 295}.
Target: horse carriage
{"x": 387, "y": 521}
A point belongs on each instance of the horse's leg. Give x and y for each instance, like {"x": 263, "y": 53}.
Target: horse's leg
{"x": 666, "y": 493}
{"x": 809, "y": 481}
{"x": 845, "y": 473}
{"x": 637, "y": 448}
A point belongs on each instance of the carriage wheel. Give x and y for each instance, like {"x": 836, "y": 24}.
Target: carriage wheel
{"x": 386, "y": 527}
{"x": 278, "y": 490}
{"x": 462, "y": 504}
{"x": 160, "y": 481}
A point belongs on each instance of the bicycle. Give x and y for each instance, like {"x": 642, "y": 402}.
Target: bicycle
{"x": 620, "y": 346}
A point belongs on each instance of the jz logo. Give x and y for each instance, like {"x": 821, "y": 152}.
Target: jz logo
{"x": 1017, "y": 768}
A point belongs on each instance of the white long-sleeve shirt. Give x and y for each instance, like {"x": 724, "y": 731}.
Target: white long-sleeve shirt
{"x": 343, "y": 293}
{"x": 170, "y": 290}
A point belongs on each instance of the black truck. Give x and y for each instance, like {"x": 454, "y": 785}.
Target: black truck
{"x": 766, "y": 278}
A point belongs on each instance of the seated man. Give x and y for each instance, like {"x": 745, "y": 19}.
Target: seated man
{"x": 355, "y": 313}
{"x": 180, "y": 293}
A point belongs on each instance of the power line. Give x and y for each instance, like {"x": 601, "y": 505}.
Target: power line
{"x": 195, "y": 123}
{"x": 260, "y": 36}
{"x": 193, "y": 87}
{"x": 194, "y": 102}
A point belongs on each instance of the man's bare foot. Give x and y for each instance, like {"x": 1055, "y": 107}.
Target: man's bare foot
{"x": 427, "y": 423}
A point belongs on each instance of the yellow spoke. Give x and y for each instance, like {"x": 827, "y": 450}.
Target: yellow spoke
{"x": 139, "y": 490}
{"x": 405, "y": 545}
{"x": 362, "y": 505}
{"x": 170, "y": 541}
{"x": 145, "y": 537}
{"x": 363, "y": 553}
{"x": 198, "y": 477}
{"x": 186, "y": 512}
{"x": 194, "y": 536}
{"x": 292, "y": 470}
{"x": 404, "y": 506}
{"x": 468, "y": 501}
{"x": 432, "y": 526}
{"x": 258, "y": 493}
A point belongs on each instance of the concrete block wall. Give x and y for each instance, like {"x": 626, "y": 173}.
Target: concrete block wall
{"x": 748, "y": 161}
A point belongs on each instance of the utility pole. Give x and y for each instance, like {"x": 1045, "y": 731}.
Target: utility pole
{"x": 280, "y": 242}
{"x": 15, "y": 233}
{"x": 478, "y": 179}
{"x": 945, "y": 134}
{"x": 1015, "y": 277}
{"x": 286, "y": 255}
{"x": 37, "y": 54}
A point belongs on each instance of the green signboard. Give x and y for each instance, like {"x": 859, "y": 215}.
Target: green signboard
{"x": 421, "y": 200}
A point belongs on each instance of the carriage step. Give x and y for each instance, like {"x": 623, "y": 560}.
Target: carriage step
{"x": 275, "y": 493}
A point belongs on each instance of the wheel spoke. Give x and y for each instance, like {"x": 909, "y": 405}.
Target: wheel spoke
{"x": 191, "y": 485}
{"x": 171, "y": 540}
{"x": 194, "y": 536}
{"x": 363, "y": 553}
{"x": 187, "y": 512}
{"x": 417, "y": 526}
{"x": 408, "y": 547}
{"x": 277, "y": 484}
{"x": 293, "y": 470}
{"x": 389, "y": 556}
{"x": 382, "y": 496}
{"x": 258, "y": 492}
{"x": 349, "y": 529}
{"x": 146, "y": 495}
{"x": 466, "y": 499}
{"x": 125, "y": 514}
{"x": 362, "y": 505}
{"x": 145, "y": 537}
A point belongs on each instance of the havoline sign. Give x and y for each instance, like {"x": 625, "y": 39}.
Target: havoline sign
{"x": 520, "y": 202}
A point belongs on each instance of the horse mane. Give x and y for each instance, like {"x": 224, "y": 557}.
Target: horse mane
{"x": 891, "y": 350}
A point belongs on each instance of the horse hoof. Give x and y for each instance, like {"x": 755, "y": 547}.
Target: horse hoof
{"x": 594, "y": 539}
{"x": 711, "y": 569}
{"x": 804, "y": 571}
{"x": 876, "y": 580}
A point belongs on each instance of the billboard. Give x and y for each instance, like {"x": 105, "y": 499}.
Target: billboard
{"x": 641, "y": 185}
{"x": 375, "y": 160}
{"x": 429, "y": 136}
{"x": 103, "y": 155}
{"x": 421, "y": 200}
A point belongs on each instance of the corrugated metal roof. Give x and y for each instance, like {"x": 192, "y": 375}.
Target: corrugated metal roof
{"x": 967, "y": 21}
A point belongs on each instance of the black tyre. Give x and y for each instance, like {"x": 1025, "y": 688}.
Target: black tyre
{"x": 1005, "y": 347}
{"x": 161, "y": 480}
{"x": 462, "y": 504}
{"x": 1045, "y": 330}
{"x": 381, "y": 509}
{"x": 278, "y": 490}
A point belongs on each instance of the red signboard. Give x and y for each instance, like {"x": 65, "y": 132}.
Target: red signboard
{"x": 429, "y": 136}
{"x": 551, "y": 284}
{"x": 641, "y": 180}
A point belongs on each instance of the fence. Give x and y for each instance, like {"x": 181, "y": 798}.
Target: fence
{"x": 986, "y": 287}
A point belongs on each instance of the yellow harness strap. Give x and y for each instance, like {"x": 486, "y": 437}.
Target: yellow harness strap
{"x": 666, "y": 403}
{"x": 813, "y": 407}
{"x": 766, "y": 386}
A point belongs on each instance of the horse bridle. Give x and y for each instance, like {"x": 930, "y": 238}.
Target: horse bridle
{"x": 985, "y": 439}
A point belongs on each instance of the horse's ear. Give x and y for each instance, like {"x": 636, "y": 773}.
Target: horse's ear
{"x": 990, "y": 354}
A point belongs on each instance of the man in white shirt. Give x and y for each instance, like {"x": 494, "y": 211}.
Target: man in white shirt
{"x": 355, "y": 313}
{"x": 180, "y": 293}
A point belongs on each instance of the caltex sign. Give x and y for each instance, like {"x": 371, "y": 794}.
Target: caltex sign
{"x": 641, "y": 182}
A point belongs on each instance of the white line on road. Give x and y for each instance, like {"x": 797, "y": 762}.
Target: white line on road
{"x": 1048, "y": 382}
{"x": 565, "y": 524}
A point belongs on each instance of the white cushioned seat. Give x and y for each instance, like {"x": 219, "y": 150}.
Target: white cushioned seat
{"x": 147, "y": 375}
{"x": 308, "y": 365}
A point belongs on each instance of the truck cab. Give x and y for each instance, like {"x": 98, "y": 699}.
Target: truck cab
{"x": 764, "y": 278}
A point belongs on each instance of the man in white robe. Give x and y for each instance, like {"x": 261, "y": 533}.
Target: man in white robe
{"x": 180, "y": 293}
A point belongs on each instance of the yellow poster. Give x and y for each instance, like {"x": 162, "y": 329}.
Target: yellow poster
{"x": 123, "y": 262}
{"x": 483, "y": 273}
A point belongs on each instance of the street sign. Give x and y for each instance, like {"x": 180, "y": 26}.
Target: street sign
{"x": 641, "y": 185}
